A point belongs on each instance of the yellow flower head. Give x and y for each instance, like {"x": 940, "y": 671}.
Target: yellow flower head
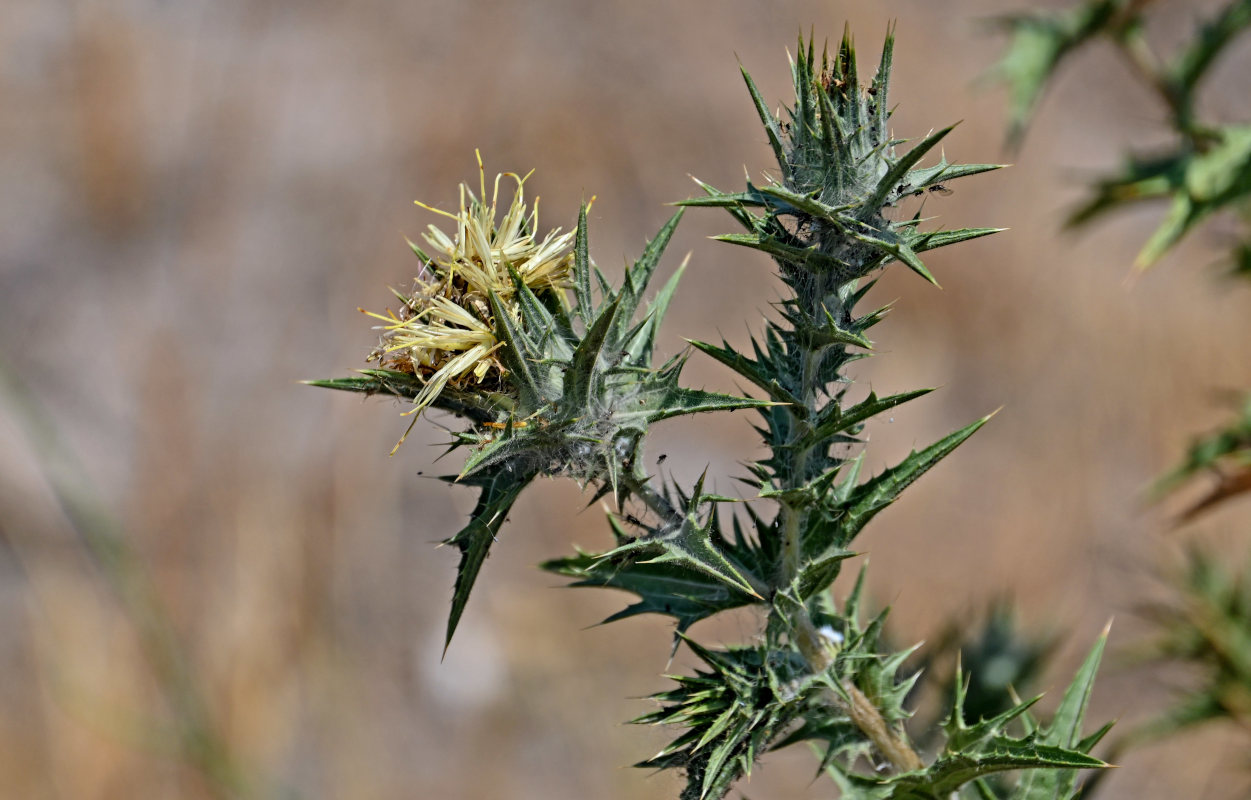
{"x": 444, "y": 332}
{"x": 481, "y": 252}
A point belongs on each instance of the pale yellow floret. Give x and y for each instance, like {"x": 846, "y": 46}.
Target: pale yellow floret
{"x": 446, "y": 333}
{"x": 482, "y": 250}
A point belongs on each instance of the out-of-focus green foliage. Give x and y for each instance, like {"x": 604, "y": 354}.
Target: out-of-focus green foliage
{"x": 1208, "y": 167}
{"x": 1206, "y": 170}
{"x": 1040, "y": 42}
{"x": 1196, "y": 181}
{"x": 1207, "y": 626}
{"x": 1225, "y": 455}
{"x": 998, "y": 659}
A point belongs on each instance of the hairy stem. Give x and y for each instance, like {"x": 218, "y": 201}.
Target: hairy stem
{"x": 853, "y": 702}
{"x": 791, "y": 522}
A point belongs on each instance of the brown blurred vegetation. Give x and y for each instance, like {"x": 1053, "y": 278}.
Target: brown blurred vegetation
{"x": 196, "y": 196}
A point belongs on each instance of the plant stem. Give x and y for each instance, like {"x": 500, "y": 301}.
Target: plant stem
{"x": 1146, "y": 63}
{"x": 791, "y": 523}
{"x": 854, "y": 703}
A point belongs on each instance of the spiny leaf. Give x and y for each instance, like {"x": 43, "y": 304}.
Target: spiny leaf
{"x": 733, "y": 713}
{"x": 895, "y": 246}
{"x": 787, "y": 201}
{"x": 517, "y": 354}
{"x": 640, "y": 346}
{"x": 693, "y": 545}
{"x": 718, "y": 199}
{"x": 670, "y": 589}
{"x": 932, "y": 240}
{"x": 817, "y": 573}
{"x": 810, "y": 258}
{"x": 881, "y": 81}
{"x": 1040, "y": 41}
{"x": 585, "y": 366}
{"x": 499, "y": 491}
{"x": 899, "y": 170}
{"x": 1064, "y": 731}
{"x": 537, "y": 317}
{"x": 879, "y": 492}
{"x": 835, "y": 419}
{"x": 679, "y": 401}
{"x": 478, "y": 406}
{"x": 950, "y": 772}
{"x": 639, "y": 275}
{"x": 953, "y": 771}
{"x": 582, "y": 269}
{"x": 943, "y": 172}
{"x": 770, "y": 124}
{"x": 751, "y": 370}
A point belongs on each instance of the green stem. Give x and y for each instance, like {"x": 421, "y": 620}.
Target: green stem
{"x": 791, "y": 522}
{"x": 1171, "y": 91}
{"x": 1145, "y": 62}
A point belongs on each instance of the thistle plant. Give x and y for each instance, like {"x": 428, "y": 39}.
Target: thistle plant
{"x": 551, "y": 367}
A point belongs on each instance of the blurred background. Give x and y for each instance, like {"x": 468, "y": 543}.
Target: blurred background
{"x": 214, "y": 581}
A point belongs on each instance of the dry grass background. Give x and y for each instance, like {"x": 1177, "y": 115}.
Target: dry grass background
{"x": 196, "y": 197}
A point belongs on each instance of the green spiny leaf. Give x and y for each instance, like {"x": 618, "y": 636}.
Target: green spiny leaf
{"x": 585, "y": 365}
{"x": 770, "y": 123}
{"x": 517, "y": 354}
{"x": 1064, "y": 732}
{"x": 640, "y": 346}
{"x": 879, "y": 492}
{"x": 678, "y": 401}
{"x": 582, "y": 269}
{"x": 499, "y": 491}
{"x": 932, "y": 240}
{"x": 943, "y": 172}
{"x": 670, "y": 589}
{"x": 639, "y": 275}
{"x": 898, "y": 171}
{"x": 834, "y": 419}
{"x": 810, "y": 258}
{"x": 754, "y": 371}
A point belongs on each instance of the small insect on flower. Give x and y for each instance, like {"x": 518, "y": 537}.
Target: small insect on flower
{"x": 444, "y": 331}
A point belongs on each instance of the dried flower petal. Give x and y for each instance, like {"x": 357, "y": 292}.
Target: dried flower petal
{"x": 444, "y": 332}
